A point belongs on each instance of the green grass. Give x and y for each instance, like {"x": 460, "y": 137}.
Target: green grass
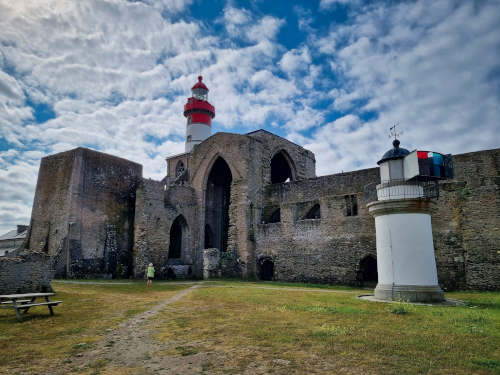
{"x": 337, "y": 333}
{"x": 255, "y": 327}
{"x": 84, "y": 316}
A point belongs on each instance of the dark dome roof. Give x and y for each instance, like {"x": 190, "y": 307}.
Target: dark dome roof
{"x": 395, "y": 153}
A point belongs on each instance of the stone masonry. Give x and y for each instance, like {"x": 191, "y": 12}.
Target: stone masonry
{"x": 83, "y": 213}
{"x": 95, "y": 215}
{"x": 26, "y": 273}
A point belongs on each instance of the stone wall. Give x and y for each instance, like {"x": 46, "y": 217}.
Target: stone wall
{"x": 83, "y": 213}
{"x": 249, "y": 159}
{"x": 303, "y": 161}
{"x": 96, "y": 216}
{"x": 157, "y": 206}
{"x": 26, "y": 273}
{"x": 465, "y": 226}
{"x": 327, "y": 249}
{"x": 466, "y": 223}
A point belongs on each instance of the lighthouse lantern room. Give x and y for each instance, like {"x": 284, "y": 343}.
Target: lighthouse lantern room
{"x": 199, "y": 113}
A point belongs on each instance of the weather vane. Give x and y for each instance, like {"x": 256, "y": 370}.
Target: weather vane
{"x": 393, "y": 132}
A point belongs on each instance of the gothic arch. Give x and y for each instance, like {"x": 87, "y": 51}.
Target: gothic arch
{"x": 212, "y": 159}
{"x": 179, "y": 238}
{"x": 217, "y": 198}
{"x": 201, "y": 171}
{"x": 282, "y": 167}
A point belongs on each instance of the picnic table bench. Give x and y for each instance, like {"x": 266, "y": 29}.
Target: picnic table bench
{"x": 23, "y": 302}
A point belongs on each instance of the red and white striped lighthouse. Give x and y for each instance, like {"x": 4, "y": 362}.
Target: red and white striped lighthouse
{"x": 199, "y": 113}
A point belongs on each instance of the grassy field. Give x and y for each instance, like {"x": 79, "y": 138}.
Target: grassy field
{"x": 269, "y": 328}
{"x": 84, "y": 316}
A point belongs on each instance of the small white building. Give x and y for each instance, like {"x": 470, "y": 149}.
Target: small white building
{"x": 10, "y": 241}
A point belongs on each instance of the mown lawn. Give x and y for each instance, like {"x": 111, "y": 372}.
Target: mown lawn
{"x": 262, "y": 328}
{"x": 87, "y": 311}
{"x": 331, "y": 331}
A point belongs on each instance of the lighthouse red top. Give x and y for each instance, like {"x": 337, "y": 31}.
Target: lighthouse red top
{"x": 198, "y": 109}
{"x": 199, "y": 84}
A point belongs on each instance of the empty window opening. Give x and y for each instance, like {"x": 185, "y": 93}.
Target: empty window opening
{"x": 266, "y": 269}
{"x": 275, "y": 217}
{"x": 209, "y": 237}
{"x": 217, "y": 202}
{"x": 179, "y": 169}
{"x": 367, "y": 273}
{"x": 280, "y": 168}
{"x": 314, "y": 212}
{"x": 351, "y": 203}
{"x": 178, "y": 237}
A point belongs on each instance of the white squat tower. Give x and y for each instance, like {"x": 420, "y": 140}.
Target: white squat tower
{"x": 405, "y": 250}
{"x": 199, "y": 113}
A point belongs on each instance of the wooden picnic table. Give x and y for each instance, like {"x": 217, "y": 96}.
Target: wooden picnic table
{"x": 25, "y": 301}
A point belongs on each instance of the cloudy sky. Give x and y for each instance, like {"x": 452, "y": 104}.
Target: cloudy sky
{"x": 330, "y": 75}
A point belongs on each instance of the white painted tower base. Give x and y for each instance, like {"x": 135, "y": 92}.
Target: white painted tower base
{"x": 405, "y": 251}
{"x": 195, "y": 134}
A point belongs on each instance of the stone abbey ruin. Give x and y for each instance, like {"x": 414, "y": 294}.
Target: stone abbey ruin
{"x": 247, "y": 206}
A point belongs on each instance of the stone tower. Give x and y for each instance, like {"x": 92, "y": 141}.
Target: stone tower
{"x": 199, "y": 113}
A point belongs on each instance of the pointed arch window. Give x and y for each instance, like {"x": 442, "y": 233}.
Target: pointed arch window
{"x": 282, "y": 169}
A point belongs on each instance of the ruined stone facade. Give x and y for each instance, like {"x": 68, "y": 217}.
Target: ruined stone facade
{"x": 83, "y": 213}
{"x": 256, "y": 198}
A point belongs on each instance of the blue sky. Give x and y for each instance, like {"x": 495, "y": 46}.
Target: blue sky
{"x": 330, "y": 75}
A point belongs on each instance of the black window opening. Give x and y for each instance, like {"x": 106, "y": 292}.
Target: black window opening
{"x": 266, "y": 269}
{"x": 217, "y": 202}
{"x": 280, "y": 168}
{"x": 351, "y": 203}
{"x": 314, "y": 212}
{"x": 178, "y": 234}
{"x": 275, "y": 217}
{"x": 367, "y": 273}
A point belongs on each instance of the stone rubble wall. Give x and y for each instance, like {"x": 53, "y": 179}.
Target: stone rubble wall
{"x": 466, "y": 223}
{"x": 27, "y": 273}
{"x": 325, "y": 250}
{"x": 211, "y": 263}
{"x": 84, "y": 209}
{"x": 97, "y": 211}
{"x": 465, "y": 226}
{"x": 157, "y": 206}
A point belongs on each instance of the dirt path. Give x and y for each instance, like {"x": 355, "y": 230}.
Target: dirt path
{"x": 131, "y": 346}
{"x": 118, "y": 282}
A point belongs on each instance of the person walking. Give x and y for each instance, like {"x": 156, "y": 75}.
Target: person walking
{"x": 151, "y": 274}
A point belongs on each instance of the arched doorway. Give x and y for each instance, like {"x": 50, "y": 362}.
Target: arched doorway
{"x": 266, "y": 269}
{"x": 281, "y": 169}
{"x": 178, "y": 238}
{"x": 217, "y": 201}
{"x": 368, "y": 270}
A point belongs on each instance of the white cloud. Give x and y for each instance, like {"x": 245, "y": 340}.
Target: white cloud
{"x": 296, "y": 60}
{"x": 171, "y": 6}
{"x": 326, "y": 4}
{"x": 116, "y": 73}
{"x": 431, "y": 66}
